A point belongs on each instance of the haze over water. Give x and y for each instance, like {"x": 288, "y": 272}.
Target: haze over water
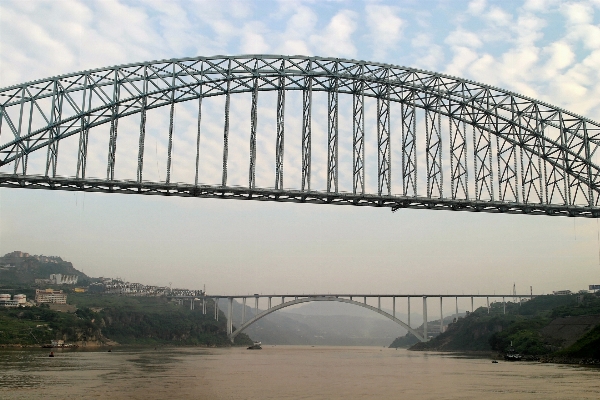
{"x": 284, "y": 372}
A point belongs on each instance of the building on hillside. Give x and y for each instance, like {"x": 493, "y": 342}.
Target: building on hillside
{"x": 20, "y": 298}
{"x": 50, "y": 296}
{"x": 5, "y": 300}
{"x": 80, "y": 290}
{"x": 48, "y": 259}
{"x": 9, "y": 303}
{"x": 60, "y": 279}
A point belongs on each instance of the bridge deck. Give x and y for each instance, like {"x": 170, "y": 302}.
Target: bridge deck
{"x": 367, "y": 295}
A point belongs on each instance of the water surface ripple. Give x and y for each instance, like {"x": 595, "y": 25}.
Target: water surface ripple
{"x": 284, "y": 372}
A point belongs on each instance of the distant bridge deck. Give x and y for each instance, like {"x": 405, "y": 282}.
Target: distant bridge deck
{"x": 345, "y": 295}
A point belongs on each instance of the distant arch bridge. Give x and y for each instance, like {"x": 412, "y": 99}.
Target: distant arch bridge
{"x": 435, "y": 141}
{"x": 421, "y": 334}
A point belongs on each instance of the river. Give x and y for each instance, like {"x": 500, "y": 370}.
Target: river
{"x": 284, "y": 372}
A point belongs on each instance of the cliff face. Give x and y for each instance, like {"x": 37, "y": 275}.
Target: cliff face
{"x": 588, "y": 346}
{"x": 178, "y": 327}
{"x": 565, "y": 331}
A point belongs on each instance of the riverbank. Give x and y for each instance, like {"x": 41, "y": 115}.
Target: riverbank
{"x": 495, "y": 356}
{"x": 550, "y": 329}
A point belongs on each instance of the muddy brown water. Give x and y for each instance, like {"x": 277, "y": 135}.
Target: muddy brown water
{"x": 284, "y": 372}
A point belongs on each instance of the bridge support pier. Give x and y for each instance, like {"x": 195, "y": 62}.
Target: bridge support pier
{"x": 504, "y": 304}
{"x": 379, "y": 303}
{"x": 456, "y": 315}
{"x": 192, "y": 303}
{"x": 394, "y": 307}
{"x": 409, "y": 312}
{"x": 425, "y": 333}
{"x": 255, "y": 306}
{"x": 441, "y": 316}
{"x": 216, "y": 308}
{"x": 204, "y": 306}
{"x": 471, "y": 304}
{"x": 488, "y": 304}
{"x": 243, "y": 310}
{"x": 230, "y": 316}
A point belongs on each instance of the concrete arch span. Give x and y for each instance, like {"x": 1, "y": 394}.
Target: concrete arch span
{"x": 324, "y": 298}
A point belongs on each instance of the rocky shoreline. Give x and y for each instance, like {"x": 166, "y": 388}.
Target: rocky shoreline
{"x": 569, "y": 360}
{"x": 546, "y": 359}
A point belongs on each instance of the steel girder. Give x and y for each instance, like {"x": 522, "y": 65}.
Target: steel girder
{"x": 544, "y": 156}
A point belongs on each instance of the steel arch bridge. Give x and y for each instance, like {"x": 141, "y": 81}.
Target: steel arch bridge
{"x": 457, "y": 144}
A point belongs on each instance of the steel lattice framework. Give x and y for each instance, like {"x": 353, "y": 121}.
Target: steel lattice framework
{"x": 522, "y": 155}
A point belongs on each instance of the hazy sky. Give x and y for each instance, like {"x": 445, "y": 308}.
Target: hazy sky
{"x": 548, "y": 50}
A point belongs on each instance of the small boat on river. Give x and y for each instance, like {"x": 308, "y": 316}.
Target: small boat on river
{"x": 511, "y": 354}
{"x": 255, "y": 346}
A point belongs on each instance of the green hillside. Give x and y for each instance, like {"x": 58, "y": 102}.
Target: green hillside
{"x": 545, "y": 325}
{"x": 18, "y": 268}
{"x": 125, "y": 320}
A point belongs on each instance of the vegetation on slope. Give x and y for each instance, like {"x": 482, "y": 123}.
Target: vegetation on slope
{"x": 125, "y": 320}
{"x": 586, "y": 347}
{"x": 155, "y": 320}
{"x": 405, "y": 341}
{"x": 525, "y": 326}
{"x": 40, "y": 325}
{"x": 100, "y": 317}
{"x": 16, "y": 270}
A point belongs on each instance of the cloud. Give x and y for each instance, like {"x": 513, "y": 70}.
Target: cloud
{"x": 577, "y": 13}
{"x": 336, "y": 38}
{"x": 294, "y": 40}
{"x": 428, "y": 55}
{"x": 252, "y": 41}
{"x": 540, "y": 5}
{"x": 498, "y": 17}
{"x": 476, "y": 7}
{"x": 385, "y": 29}
{"x": 561, "y": 56}
{"x": 463, "y": 38}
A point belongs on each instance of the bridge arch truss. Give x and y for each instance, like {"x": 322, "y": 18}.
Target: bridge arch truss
{"x": 456, "y": 144}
